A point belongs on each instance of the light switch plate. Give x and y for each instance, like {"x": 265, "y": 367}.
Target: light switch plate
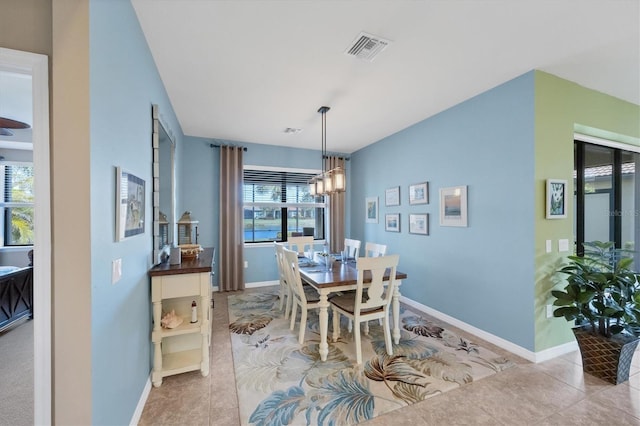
{"x": 548, "y": 246}
{"x": 563, "y": 245}
{"x": 116, "y": 271}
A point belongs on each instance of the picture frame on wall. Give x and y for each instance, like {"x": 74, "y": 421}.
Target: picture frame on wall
{"x": 392, "y": 222}
{"x": 130, "y": 204}
{"x": 556, "y": 205}
{"x": 453, "y": 206}
{"x": 419, "y": 223}
{"x": 392, "y": 196}
{"x": 419, "y": 193}
{"x": 371, "y": 210}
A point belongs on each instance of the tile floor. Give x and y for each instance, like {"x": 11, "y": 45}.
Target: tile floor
{"x": 555, "y": 392}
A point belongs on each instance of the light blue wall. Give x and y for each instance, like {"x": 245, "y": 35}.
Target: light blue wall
{"x": 198, "y": 182}
{"x": 483, "y": 274}
{"x": 124, "y": 85}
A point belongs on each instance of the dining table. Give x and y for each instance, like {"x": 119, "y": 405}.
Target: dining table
{"x": 343, "y": 276}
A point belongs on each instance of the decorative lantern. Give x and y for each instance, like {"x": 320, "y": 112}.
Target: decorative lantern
{"x": 164, "y": 230}
{"x": 187, "y": 229}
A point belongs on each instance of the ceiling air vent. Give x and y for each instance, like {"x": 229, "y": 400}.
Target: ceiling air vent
{"x": 367, "y": 46}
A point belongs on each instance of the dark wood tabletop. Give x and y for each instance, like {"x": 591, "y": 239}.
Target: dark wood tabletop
{"x": 202, "y": 263}
{"x": 341, "y": 275}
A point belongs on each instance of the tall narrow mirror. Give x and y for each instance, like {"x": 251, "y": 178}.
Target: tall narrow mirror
{"x": 163, "y": 184}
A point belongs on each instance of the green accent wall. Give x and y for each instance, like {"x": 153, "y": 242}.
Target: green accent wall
{"x": 562, "y": 108}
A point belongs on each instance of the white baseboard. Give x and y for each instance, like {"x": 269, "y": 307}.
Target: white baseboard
{"x": 261, "y": 284}
{"x": 535, "y": 357}
{"x": 556, "y": 351}
{"x": 253, "y": 285}
{"x": 143, "y": 400}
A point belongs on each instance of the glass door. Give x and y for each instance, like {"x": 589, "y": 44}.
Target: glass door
{"x": 607, "y": 208}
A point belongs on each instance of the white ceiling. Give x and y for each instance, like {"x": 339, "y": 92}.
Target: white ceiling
{"x": 245, "y": 70}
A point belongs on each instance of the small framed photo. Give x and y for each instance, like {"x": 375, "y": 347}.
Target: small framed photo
{"x": 419, "y": 193}
{"x": 419, "y": 223}
{"x": 392, "y": 196}
{"x": 392, "y": 222}
{"x": 556, "y": 199}
{"x": 129, "y": 204}
{"x": 453, "y": 206}
{"x": 371, "y": 208}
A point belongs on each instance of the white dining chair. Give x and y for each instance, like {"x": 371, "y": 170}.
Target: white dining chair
{"x": 300, "y": 245}
{"x": 376, "y": 303}
{"x": 374, "y": 250}
{"x": 306, "y": 300}
{"x": 285, "y": 290}
{"x": 352, "y": 248}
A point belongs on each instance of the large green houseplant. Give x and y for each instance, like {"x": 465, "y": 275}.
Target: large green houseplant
{"x": 602, "y": 296}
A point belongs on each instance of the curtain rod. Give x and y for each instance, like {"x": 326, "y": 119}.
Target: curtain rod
{"x": 244, "y": 148}
{"x": 339, "y": 157}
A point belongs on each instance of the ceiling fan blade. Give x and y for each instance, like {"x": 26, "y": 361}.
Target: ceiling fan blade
{"x": 7, "y": 123}
{"x": 5, "y": 132}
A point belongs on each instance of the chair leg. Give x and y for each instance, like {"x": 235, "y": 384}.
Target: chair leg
{"x": 350, "y": 326}
{"x": 356, "y": 335}
{"x": 303, "y": 323}
{"x": 366, "y": 328}
{"x": 294, "y": 312}
{"x": 289, "y": 302}
{"x": 336, "y": 324}
{"x": 282, "y": 295}
{"x": 387, "y": 335}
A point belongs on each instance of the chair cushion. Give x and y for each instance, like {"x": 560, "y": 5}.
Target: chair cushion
{"x": 347, "y": 303}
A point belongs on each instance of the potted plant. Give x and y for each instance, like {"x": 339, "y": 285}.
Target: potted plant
{"x": 602, "y": 296}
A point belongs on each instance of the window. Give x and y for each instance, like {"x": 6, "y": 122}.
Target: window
{"x": 277, "y": 204}
{"x": 607, "y": 205}
{"x": 17, "y": 204}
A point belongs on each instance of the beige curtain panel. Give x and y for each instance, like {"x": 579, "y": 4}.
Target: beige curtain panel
{"x": 336, "y": 209}
{"x": 231, "y": 260}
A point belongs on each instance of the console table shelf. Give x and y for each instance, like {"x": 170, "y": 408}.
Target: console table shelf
{"x": 175, "y": 287}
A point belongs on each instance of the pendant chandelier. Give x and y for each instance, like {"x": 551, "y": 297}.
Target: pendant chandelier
{"x": 328, "y": 181}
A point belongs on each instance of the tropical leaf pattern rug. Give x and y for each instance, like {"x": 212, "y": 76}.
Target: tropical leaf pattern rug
{"x": 281, "y": 382}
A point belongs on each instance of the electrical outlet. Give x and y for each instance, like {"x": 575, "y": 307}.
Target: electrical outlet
{"x": 549, "y": 311}
{"x": 246, "y": 264}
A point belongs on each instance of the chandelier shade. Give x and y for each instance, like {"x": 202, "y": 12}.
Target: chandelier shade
{"x": 328, "y": 181}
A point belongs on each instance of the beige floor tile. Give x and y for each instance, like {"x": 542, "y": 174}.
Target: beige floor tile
{"x": 571, "y": 374}
{"x": 590, "y": 413}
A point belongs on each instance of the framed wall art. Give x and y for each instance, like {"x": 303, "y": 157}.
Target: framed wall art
{"x": 129, "y": 204}
{"x": 556, "y": 199}
{"x": 392, "y": 222}
{"x": 419, "y": 193}
{"x": 453, "y": 206}
{"x": 392, "y": 196}
{"x": 419, "y": 223}
{"x": 371, "y": 208}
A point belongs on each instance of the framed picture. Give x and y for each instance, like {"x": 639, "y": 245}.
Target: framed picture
{"x": 453, "y": 206}
{"x": 392, "y": 196}
{"x": 419, "y": 223}
{"x": 129, "y": 204}
{"x": 371, "y": 208}
{"x": 556, "y": 198}
{"x": 419, "y": 193}
{"x": 392, "y": 222}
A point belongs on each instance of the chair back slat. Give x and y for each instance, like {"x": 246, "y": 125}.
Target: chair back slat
{"x": 374, "y": 250}
{"x": 352, "y": 247}
{"x": 377, "y": 296}
{"x": 292, "y": 272}
{"x": 300, "y": 244}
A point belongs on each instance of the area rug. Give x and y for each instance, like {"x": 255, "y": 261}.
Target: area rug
{"x": 281, "y": 382}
